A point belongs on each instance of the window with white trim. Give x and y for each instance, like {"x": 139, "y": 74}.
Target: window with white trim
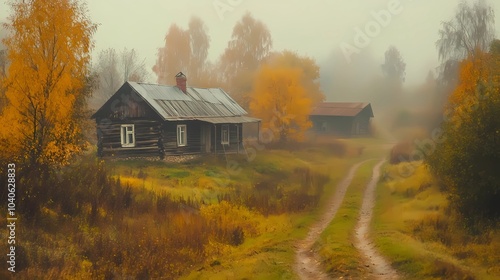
{"x": 181, "y": 135}
{"x": 224, "y": 135}
{"x": 127, "y": 135}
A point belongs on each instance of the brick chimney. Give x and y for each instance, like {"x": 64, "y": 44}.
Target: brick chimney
{"x": 180, "y": 80}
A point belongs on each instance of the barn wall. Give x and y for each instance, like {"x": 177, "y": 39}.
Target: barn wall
{"x": 362, "y": 123}
{"x": 336, "y": 125}
{"x": 147, "y": 138}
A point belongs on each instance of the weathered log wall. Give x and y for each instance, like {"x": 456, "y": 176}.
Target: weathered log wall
{"x": 169, "y": 136}
{"x": 147, "y": 138}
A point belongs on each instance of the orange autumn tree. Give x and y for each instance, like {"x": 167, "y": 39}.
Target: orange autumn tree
{"x": 280, "y": 99}
{"x": 480, "y": 69}
{"x": 49, "y": 47}
{"x": 310, "y": 71}
{"x": 185, "y": 50}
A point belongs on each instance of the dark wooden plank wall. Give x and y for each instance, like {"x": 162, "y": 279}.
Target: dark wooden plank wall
{"x": 363, "y": 120}
{"x": 342, "y": 126}
{"x": 147, "y": 138}
{"x": 235, "y": 136}
{"x": 169, "y": 136}
{"x": 337, "y": 125}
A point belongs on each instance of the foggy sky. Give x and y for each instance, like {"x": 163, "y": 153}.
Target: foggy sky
{"x": 316, "y": 30}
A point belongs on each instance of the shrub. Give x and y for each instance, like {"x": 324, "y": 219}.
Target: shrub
{"x": 401, "y": 152}
{"x": 230, "y": 223}
{"x": 467, "y": 159}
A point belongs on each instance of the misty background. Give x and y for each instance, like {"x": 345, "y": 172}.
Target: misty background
{"x": 316, "y": 30}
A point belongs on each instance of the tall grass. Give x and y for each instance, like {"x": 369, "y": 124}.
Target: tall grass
{"x": 121, "y": 219}
{"x": 417, "y": 229}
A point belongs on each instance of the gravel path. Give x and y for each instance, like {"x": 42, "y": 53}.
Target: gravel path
{"x": 378, "y": 266}
{"x": 307, "y": 264}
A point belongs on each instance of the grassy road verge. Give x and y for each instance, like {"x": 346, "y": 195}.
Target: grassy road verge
{"x": 415, "y": 228}
{"x": 271, "y": 255}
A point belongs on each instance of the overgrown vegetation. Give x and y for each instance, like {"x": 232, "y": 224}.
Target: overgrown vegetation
{"x": 423, "y": 236}
{"x": 467, "y": 159}
{"x": 140, "y": 219}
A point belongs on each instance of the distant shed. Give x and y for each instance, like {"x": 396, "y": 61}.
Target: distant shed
{"x": 342, "y": 118}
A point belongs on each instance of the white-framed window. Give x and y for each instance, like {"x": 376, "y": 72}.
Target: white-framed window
{"x": 181, "y": 135}
{"x": 127, "y": 135}
{"x": 224, "y": 134}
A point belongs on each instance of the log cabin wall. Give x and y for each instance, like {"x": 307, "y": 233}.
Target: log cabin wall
{"x": 169, "y": 137}
{"x": 146, "y": 132}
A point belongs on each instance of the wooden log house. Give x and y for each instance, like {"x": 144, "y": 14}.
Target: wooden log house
{"x": 143, "y": 119}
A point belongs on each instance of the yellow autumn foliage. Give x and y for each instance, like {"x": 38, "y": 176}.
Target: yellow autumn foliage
{"x": 280, "y": 99}
{"x": 49, "y": 52}
{"x": 229, "y": 216}
{"x": 479, "y": 69}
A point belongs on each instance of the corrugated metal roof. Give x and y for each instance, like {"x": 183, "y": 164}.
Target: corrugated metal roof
{"x": 347, "y": 109}
{"x": 241, "y": 119}
{"x": 171, "y": 103}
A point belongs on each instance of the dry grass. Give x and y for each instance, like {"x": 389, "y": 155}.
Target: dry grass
{"x": 416, "y": 228}
{"x": 156, "y": 219}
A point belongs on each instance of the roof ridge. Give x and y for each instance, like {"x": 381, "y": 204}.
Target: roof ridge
{"x": 164, "y": 85}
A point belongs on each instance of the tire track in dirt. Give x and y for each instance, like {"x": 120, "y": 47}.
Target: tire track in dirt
{"x": 307, "y": 262}
{"x": 378, "y": 266}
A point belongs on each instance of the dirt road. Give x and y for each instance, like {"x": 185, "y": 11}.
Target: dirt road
{"x": 379, "y": 267}
{"x": 307, "y": 264}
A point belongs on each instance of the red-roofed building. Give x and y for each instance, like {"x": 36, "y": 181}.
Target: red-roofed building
{"x": 342, "y": 118}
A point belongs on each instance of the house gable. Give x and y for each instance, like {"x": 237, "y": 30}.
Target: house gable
{"x": 126, "y": 103}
